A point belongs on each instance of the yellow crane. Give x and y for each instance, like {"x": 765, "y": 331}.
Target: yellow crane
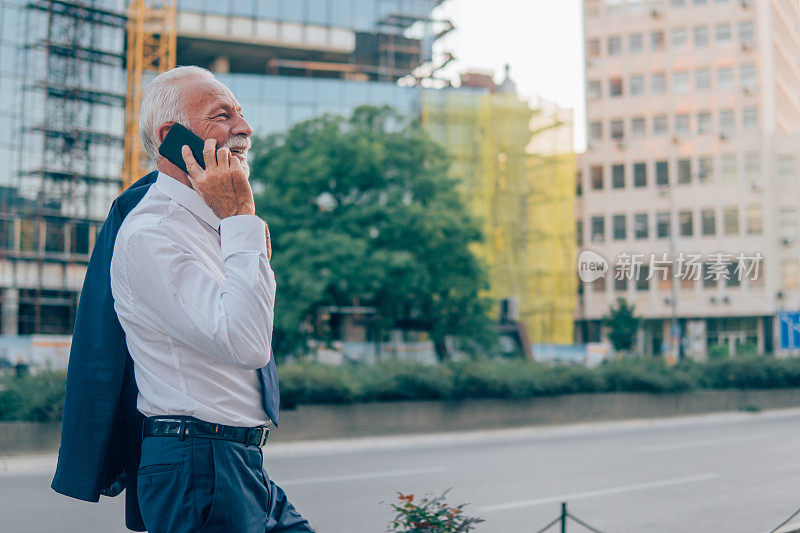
{"x": 152, "y": 47}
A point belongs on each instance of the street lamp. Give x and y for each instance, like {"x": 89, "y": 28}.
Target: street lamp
{"x": 675, "y": 328}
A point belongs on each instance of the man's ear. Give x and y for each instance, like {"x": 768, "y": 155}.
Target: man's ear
{"x": 163, "y": 129}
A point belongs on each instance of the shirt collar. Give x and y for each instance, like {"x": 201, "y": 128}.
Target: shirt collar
{"x": 188, "y": 198}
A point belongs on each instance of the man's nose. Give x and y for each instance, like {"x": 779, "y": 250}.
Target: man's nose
{"x": 242, "y": 127}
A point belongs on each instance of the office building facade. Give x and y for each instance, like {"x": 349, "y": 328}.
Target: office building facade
{"x": 690, "y": 173}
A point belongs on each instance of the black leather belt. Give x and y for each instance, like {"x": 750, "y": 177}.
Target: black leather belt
{"x": 183, "y": 426}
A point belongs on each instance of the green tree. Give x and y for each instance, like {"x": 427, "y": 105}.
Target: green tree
{"x": 361, "y": 211}
{"x": 623, "y": 324}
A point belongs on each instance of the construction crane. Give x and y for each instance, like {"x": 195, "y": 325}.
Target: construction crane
{"x": 152, "y": 47}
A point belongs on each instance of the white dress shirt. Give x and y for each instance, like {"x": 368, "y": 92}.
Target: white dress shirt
{"x": 195, "y": 296}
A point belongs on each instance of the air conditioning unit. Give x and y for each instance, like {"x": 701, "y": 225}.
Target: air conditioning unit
{"x": 656, "y": 13}
{"x": 677, "y": 139}
{"x": 787, "y": 242}
{"x": 746, "y": 47}
{"x": 745, "y": 3}
{"x": 755, "y": 186}
{"x": 723, "y": 136}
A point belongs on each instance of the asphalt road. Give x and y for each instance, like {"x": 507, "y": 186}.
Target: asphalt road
{"x": 719, "y": 473}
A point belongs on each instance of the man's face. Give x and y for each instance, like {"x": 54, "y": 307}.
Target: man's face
{"x": 214, "y": 113}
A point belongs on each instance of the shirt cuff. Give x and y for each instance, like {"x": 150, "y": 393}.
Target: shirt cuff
{"x": 242, "y": 233}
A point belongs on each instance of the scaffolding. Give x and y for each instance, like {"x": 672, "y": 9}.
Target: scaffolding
{"x": 152, "y": 48}
{"x": 516, "y": 173}
{"x": 69, "y": 101}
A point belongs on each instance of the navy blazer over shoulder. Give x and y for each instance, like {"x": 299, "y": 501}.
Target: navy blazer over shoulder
{"x": 101, "y": 428}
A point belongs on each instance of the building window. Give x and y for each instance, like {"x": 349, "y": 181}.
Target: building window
{"x": 618, "y": 176}
{"x": 662, "y": 224}
{"x": 790, "y": 272}
{"x": 705, "y": 171}
{"x": 747, "y": 76}
{"x": 722, "y": 33}
{"x": 615, "y": 45}
{"x": 28, "y": 236}
{"x": 617, "y": 129}
{"x": 787, "y": 223}
{"x": 677, "y": 3}
{"x": 698, "y": 2}
{"x": 685, "y": 223}
{"x": 637, "y": 84}
{"x": 727, "y": 120}
{"x": 680, "y": 81}
{"x": 708, "y": 222}
{"x": 660, "y": 125}
{"x": 700, "y": 36}
{"x": 640, "y": 174}
{"x": 704, "y": 123}
{"x": 746, "y": 32}
{"x": 662, "y": 173}
{"x": 579, "y": 183}
{"x": 597, "y": 178}
{"x": 702, "y": 79}
{"x": 730, "y": 219}
{"x": 579, "y": 232}
{"x": 615, "y": 87}
{"x": 684, "y": 171}
{"x": 593, "y": 48}
{"x": 619, "y": 228}
{"x": 54, "y": 237}
{"x": 79, "y": 240}
{"x": 729, "y": 168}
{"x": 594, "y": 89}
{"x": 642, "y": 278}
{"x": 755, "y": 222}
{"x": 620, "y": 284}
{"x": 709, "y": 278}
{"x": 640, "y": 229}
{"x": 679, "y": 38}
{"x": 658, "y": 83}
{"x": 750, "y": 118}
{"x": 596, "y": 130}
{"x": 637, "y": 127}
{"x": 656, "y": 40}
{"x": 598, "y": 229}
{"x": 635, "y": 43}
{"x": 752, "y": 167}
{"x": 724, "y": 78}
{"x": 682, "y": 125}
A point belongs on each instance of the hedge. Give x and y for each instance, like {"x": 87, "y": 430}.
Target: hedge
{"x": 41, "y": 397}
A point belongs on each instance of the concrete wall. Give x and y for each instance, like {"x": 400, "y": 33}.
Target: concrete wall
{"x": 310, "y": 422}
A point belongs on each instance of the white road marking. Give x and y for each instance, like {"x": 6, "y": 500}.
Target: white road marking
{"x": 353, "y": 477}
{"x": 699, "y": 443}
{"x": 598, "y": 492}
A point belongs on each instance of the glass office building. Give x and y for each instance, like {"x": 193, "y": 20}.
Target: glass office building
{"x": 62, "y": 97}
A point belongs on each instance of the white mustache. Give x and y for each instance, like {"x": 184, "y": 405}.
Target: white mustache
{"x": 241, "y": 143}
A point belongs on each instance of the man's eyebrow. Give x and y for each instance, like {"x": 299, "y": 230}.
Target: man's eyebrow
{"x": 227, "y": 107}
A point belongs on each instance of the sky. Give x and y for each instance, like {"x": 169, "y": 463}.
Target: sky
{"x": 542, "y": 40}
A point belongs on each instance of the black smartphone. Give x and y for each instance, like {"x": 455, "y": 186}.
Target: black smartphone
{"x": 176, "y": 138}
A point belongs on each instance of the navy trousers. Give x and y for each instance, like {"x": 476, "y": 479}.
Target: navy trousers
{"x": 200, "y": 484}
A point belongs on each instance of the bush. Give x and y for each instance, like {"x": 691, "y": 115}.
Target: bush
{"x": 38, "y": 398}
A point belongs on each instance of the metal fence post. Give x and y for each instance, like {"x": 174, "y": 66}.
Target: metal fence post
{"x": 563, "y": 517}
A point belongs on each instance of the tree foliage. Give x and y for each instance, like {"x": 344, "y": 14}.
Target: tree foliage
{"x": 623, "y": 324}
{"x": 362, "y": 212}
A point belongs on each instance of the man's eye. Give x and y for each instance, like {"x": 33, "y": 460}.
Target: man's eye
{"x": 224, "y": 115}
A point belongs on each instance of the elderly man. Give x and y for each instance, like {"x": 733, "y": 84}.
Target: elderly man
{"x": 193, "y": 292}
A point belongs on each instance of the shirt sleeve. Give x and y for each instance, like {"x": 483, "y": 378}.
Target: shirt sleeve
{"x": 175, "y": 293}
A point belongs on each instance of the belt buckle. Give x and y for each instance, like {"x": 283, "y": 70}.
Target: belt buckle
{"x": 264, "y": 436}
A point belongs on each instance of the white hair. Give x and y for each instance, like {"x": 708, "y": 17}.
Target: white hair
{"x": 162, "y": 102}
